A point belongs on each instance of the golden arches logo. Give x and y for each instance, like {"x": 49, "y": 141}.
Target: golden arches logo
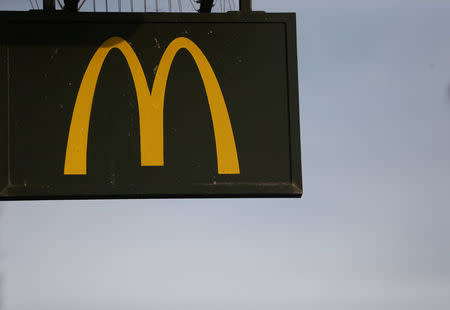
{"x": 151, "y": 108}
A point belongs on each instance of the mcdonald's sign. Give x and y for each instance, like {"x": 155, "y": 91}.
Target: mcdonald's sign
{"x": 149, "y": 106}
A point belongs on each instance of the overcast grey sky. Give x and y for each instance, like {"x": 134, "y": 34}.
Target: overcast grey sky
{"x": 371, "y": 232}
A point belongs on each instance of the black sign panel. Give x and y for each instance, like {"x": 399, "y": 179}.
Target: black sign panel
{"x": 148, "y": 105}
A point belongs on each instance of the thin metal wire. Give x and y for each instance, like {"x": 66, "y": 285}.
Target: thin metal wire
{"x": 193, "y": 6}
{"x": 81, "y": 5}
{"x": 177, "y": 6}
{"x": 31, "y": 3}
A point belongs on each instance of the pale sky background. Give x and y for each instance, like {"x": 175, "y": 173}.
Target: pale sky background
{"x": 371, "y": 232}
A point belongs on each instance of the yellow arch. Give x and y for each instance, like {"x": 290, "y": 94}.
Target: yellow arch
{"x": 151, "y": 108}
